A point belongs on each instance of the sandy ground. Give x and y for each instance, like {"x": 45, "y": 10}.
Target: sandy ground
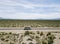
{"x": 20, "y": 30}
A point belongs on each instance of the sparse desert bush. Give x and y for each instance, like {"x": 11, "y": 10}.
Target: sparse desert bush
{"x": 6, "y": 38}
{"x": 31, "y": 32}
{"x": 41, "y": 38}
{"x": 26, "y": 33}
{"x": 2, "y": 39}
{"x": 37, "y": 36}
{"x": 31, "y": 23}
{"x": 59, "y": 37}
{"x": 30, "y": 43}
{"x": 49, "y": 33}
{"x": 41, "y": 33}
{"x": 38, "y": 32}
{"x": 11, "y": 43}
{"x": 51, "y": 38}
{"x": 44, "y": 42}
{"x": 23, "y": 43}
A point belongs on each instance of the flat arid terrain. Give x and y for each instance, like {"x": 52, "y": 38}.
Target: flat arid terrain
{"x": 29, "y": 32}
{"x": 29, "y": 21}
{"x": 29, "y": 37}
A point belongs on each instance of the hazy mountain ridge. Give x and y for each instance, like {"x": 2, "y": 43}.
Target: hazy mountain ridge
{"x": 1, "y": 18}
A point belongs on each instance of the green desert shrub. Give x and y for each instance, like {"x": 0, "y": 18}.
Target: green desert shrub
{"x": 59, "y": 37}
{"x": 31, "y": 32}
{"x": 11, "y": 43}
{"x": 26, "y": 33}
{"x": 51, "y": 39}
{"x": 37, "y": 36}
{"x": 2, "y": 39}
{"x": 49, "y": 33}
{"x": 10, "y": 32}
{"x": 44, "y": 42}
{"x": 41, "y": 33}
{"x": 7, "y": 36}
{"x": 30, "y": 43}
{"x": 23, "y": 43}
{"x": 6, "y": 40}
{"x": 38, "y": 32}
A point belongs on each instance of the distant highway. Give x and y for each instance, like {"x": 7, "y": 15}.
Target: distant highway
{"x": 46, "y": 28}
{"x": 31, "y": 28}
{"x": 11, "y": 28}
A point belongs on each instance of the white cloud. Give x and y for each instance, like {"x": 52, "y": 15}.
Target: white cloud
{"x": 31, "y": 16}
{"x": 26, "y": 4}
{"x": 7, "y": 6}
{"x": 15, "y": 4}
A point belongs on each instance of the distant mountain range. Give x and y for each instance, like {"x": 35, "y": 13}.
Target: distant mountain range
{"x": 57, "y": 19}
{"x": 27, "y": 19}
{"x": 50, "y": 19}
{"x": 1, "y": 18}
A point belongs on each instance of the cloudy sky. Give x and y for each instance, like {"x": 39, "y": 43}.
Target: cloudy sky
{"x": 30, "y": 9}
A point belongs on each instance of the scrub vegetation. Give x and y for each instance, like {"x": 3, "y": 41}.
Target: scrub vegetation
{"x": 31, "y": 23}
{"x": 30, "y": 37}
